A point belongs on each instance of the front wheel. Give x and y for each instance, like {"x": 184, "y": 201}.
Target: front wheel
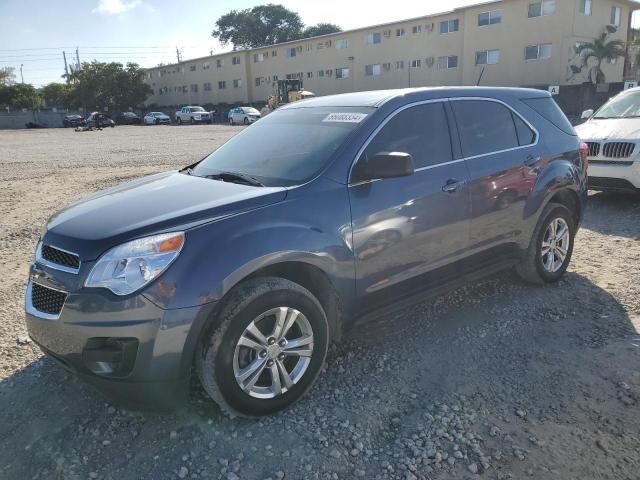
{"x": 246, "y": 121}
{"x": 267, "y": 350}
{"x": 549, "y": 252}
{"x": 231, "y": 122}
{"x": 179, "y": 121}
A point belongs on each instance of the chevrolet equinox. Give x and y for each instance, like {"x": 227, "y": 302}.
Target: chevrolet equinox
{"x": 245, "y": 265}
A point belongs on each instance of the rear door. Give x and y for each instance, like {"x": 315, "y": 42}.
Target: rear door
{"x": 406, "y": 227}
{"x": 501, "y": 150}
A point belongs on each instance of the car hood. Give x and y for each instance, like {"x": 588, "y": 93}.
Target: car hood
{"x": 610, "y": 129}
{"x": 157, "y": 203}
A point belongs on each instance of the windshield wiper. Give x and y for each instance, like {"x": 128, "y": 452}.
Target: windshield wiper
{"x": 235, "y": 177}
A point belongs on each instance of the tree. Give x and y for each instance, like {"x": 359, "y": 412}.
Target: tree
{"x": 258, "y": 26}
{"x": 600, "y": 49}
{"x": 20, "y": 95}
{"x": 57, "y": 94}
{"x": 320, "y": 29}
{"x": 7, "y": 75}
{"x": 99, "y": 85}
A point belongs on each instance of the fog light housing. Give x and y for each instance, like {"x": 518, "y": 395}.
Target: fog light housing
{"x": 108, "y": 356}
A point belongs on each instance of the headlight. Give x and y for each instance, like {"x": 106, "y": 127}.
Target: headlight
{"x": 132, "y": 265}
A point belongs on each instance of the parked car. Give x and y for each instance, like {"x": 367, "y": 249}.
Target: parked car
{"x": 99, "y": 120}
{"x": 192, "y": 115}
{"x": 157, "y": 118}
{"x": 247, "y": 264}
{"x": 72, "y": 121}
{"x": 613, "y": 136}
{"x": 243, "y": 116}
{"x": 128, "y": 118}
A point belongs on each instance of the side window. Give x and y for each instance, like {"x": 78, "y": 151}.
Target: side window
{"x": 422, "y": 131}
{"x": 526, "y": 136}
{"x": 484, "y": 127}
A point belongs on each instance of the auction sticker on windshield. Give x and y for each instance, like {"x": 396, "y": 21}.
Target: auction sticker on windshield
{"x": 345, "y": 117}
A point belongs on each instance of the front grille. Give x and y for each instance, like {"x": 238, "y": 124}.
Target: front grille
{"x": 618, "y": 149}
{"x": 607, "y": 183}
{"x": 47, "y": 300}
{"x": 594, "y": 149}
{"x": 60, "y": 257}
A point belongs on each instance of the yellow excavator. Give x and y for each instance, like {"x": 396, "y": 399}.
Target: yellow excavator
{"x": 288, "y": 91}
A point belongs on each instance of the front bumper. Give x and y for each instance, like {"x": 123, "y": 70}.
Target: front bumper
{"x": 614, "y": 175}
{"x": 127, "y": 347}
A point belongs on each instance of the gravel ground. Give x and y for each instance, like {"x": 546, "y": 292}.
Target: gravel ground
{"x": 495, "y": 380}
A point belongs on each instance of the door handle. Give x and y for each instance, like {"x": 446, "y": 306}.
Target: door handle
{"x": 452, "y": 185}
{"x": 531, "y": 161}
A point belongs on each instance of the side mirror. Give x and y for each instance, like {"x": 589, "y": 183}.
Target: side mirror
{"x": 587, "y": 113}
{"x": 384, "y": 165}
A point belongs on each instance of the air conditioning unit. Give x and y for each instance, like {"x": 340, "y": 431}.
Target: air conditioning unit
{"x": 386, "y": 66}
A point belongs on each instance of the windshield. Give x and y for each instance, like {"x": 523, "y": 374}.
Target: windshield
{"x": 251, "y": 110}
{"x": 197, "y": 109}
{"x": 626, "y": 105}
{"x": 285, "y": 148}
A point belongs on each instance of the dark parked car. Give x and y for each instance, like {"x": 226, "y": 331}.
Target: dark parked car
{"x": 247, "y": 264}
{"x": 99, "y": 120}
{"x": 128, "y": 118}
{"x": 72, "y": 121}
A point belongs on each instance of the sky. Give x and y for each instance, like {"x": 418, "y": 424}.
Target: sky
{"x": 36, "y": 32}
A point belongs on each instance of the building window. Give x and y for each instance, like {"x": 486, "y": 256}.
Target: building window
{"x": 399, "y": 32}
{"x": 615, "y": 16}
{"x": 449, "y": 26}
{"x": 309, "y": 74}
{"x": 206, "y": 66}
{"x": 192, "y": 68}
{"x": 258, "y": 57}
{"x": 194, "y": 88}
{"x": 237, "y": 83}
{"x": 450, "y": 61}
{"x": 260, "y": 81}
{"x": 291, "y": 52}
{"x": 542, "y": 8}
{"x": 372, "y": 70}
{"x": 415, "y": 63}
{"x": 416, "y": 29}
{"x": 537, "y": 52}
{"x": 220, "y": 62}
{"x": 342, "y": 43}
{"x": 222, "y": 85}
{"x": 399, "y": 64}
{"x": 206, "y": 86}
{"x": 236, "y": 60}
{"x": 320, "y": 73}
{"x": 586, "y": 7}
{"x": 374, "y": 38}
{"x": 342, "y": 72}
{"x": 488, "y": 57}
{"x": 489, "y": 18}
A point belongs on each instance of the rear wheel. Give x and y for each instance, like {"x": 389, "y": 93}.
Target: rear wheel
{"x": 246, "y": 121}
{"x": 231, "y": 121}
{"x": 267, "y": 350}
{"x": 179, "y": 121}
{"x": 549, "y": 252}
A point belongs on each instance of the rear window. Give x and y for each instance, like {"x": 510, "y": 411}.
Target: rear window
{"x": 549, "y": 109}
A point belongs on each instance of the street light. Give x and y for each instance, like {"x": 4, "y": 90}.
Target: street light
{"x": 21, "y": 76}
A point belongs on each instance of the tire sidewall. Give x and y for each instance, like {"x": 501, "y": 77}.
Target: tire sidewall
{"x": 218, "y": 361}
{"x": 558, "y": 211}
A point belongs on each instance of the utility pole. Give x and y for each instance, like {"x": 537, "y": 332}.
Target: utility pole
{"x": 21, "y": 76}
{"x": 211, "y": 52}
{"x": 178, "y": 54}
{"x": 77, "y": 60}
{"x": 66, "y": 68}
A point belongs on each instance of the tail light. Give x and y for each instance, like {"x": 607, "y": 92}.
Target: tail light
{"x": 584, "y": 155}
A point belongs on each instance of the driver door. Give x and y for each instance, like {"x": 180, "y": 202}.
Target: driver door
{"x": 405, "y": 228}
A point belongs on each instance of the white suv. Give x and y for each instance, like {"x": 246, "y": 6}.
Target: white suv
{"x": 192, "y": 114}
{"x": 613, "y": 136}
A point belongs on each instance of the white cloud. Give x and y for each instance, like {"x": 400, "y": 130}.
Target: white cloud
{"x": 113, "y": 7}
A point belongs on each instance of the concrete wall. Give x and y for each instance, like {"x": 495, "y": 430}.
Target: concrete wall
{"x": 18, "y": 119}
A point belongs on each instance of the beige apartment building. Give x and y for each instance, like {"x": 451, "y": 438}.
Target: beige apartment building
{"x": 500, "y": 43}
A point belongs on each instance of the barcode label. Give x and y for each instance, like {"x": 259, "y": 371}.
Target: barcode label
{"x": 345, "y": 117}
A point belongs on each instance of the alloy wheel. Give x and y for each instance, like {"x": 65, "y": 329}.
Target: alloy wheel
{"x": 555, "y": 245}
{"x": 273, "y": 353}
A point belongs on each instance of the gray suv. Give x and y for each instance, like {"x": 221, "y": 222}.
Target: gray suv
{"x": 247, "y": 264}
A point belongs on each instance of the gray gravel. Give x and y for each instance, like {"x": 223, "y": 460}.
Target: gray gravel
{"x": 494, "y": 380}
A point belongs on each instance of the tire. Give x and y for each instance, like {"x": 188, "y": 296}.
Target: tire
{"x": 218, "y": 359}
{"x": 179, "y": 121}
{"x": 157, "y": 121}
{"x": 532, "y": 268}
{"x": 231, "y": 122}
{"x": 246, "y": 121}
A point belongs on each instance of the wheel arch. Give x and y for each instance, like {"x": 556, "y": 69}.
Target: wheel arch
{"x": 569, "y": 198}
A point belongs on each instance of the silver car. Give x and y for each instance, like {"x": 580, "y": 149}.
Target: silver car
{"x": 613, "y": 136}
{"x": 243, "y": 116}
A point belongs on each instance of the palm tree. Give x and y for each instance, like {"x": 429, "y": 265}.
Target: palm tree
{"x": 600, "y": 49}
